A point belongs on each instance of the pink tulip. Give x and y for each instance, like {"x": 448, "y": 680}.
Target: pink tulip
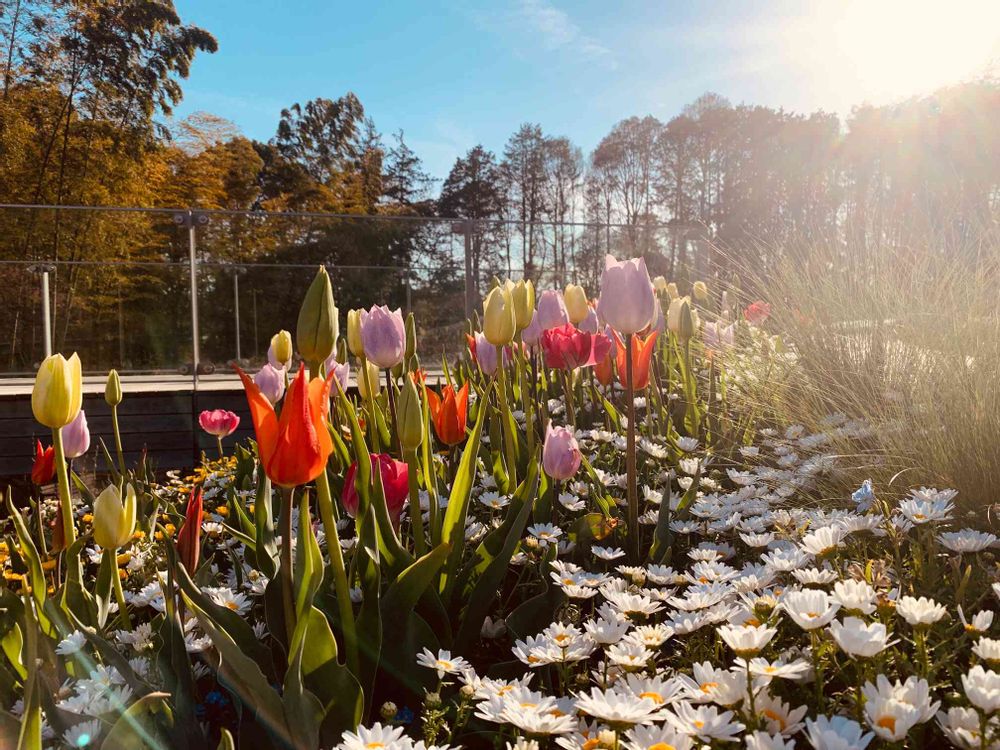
{"x": 342, "y": 372}
{"x": 533, "y": 333}
{"x": 590, "y": 324}
{"x": 716, "y": 336}
{"x": 627, "y": 303}
{"x": 551, "y": 310}
{"x": 561, "y": 455}
{"x": 76, "y": 437}
{"x": 219, "y": 422}
{"x": 271, "y": 381}
{"x": 383, "y": 336}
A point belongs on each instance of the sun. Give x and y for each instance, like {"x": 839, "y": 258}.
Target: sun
{"x": 891, "y": 49}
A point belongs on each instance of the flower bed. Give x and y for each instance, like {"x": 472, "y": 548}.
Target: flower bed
{"x": 591, "y": 534}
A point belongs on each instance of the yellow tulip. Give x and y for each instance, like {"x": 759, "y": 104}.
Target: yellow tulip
{"x": 58, "y": 392}
{"x": 660, "y": 284}
{"x": 113, "y": 389}
{"x": 114, "y": 521}
{"x": 498, "y": 317}
{"x": 354, "y": 333}
{"x": 281, "y": 347}
{"x": 700, "y": 291}
{"x": 373, "y": 378}
{"x": 576, "y": 303}
{"x": 523, "y": 295}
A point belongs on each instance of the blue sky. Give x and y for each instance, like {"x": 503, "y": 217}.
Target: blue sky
{"x": 452, "y": 74}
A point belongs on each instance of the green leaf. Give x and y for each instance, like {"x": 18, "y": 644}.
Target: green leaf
{"x": 404, "y": 593}
{"x": 308, "y": 568}
{"x": 303, "y": 711}
{"x": 103, "y": 586}
{"x": 13, "y": 646}
{"x": 29, "y": 553}
{"x": 225, "y": 741}
{"x": 142, "y": 725}
{"x": 453, "y": 526}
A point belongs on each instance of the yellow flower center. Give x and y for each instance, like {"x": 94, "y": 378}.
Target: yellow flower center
{"x": 887, "y": 722}
{"x": 708, "y": 687}
{"x": 774, "y": 716}
{"x": 655, "y": 697}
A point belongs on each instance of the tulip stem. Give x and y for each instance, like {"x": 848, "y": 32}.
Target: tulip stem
{"x": 218, "y": 440}
{"x": 287, "y": 600}
{"x": 508, "y": 421}
{"x": 394, "y": 427}
{"x": 118, "y": 439}
{"x": 633, "y": 494}
{"x": 340, "y": 580}
{"x": 119, "y": 593}
{"x": 416, "y": 514}
{"x": 65, "y": 500}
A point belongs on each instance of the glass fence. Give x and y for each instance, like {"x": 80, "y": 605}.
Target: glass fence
{"x": 119, "y": 281}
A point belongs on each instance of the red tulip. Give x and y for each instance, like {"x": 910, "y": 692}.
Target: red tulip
{"x": 567, "y": 347}
{"x": 219, "y": 422}
{"x": 189, "y": 537}
{"x": 757, "y": 312}
{"x": 642, "y": 351}
{"x": 395, "y": 483}
{"x": 44, "y": 467}
{"x": 295, "y": 447}
{"x": 449, "y": 413}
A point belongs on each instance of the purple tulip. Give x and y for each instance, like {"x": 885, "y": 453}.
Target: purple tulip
{"x": 716, "y": 336}
{"x": 561, "y": 455}
{"x": 271, "y": 381}
{"x": 589, "y": 324}
{"x": 486, "y": 354}
{"x": 383, "y": 336}
{"x": 342, "y": 372}
{"x": 533, "y": 333}
{"x": 659, "y": 322}
{"x": 627, "y": 303}
{"x": 552, "y": 310}
{"x": 76, "y": 436}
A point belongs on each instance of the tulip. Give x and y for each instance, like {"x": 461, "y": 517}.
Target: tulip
{"x": 567, "y": 348}
{"x": 189, "y": 537}
{"x": 660, "y": 322}
{"x": 76, "y": 436}
{"x": 674, "y": 313}
{"x": 279, "y": 353}
{"x": 219, "y": 422}
{"x": 57, "y": 395}
{"x": 552, "y": 310}
{"x": 687, "y": 321}
{"x": 44, "y": 466}
{"x": 672, "y": 291}
{"x": 642, "y": 352}
{"x": 354, "y": 333}
{"x": 700, "y": 291}
{"x": 575, "y": 299}
{"x": 590, "y": 324}
{"x": 449, "y": 413}
{"x": 717, "y": 337}
{"x": 561, "y": 456}
{"x": 341, "y": 371}
{"x": 294, "y": 448}
{"x": 604, "y": 370}
{"x": 409, "y": 417}
{"x": 523, "y": 296}
{"x": 318, "y": 325}
{"x": 395, "y": 485}
{"x": 660, "y": 284}
{"x": 485, "y": 353}
{"x": 410, "y": 327}
{"x": 271, "y": 381}
{"x": 756, "y": 313}
{"x": 373, "y": 381}
{"x": 383, "y": 336}
{"x": 532, "y": 334}
{"x": 113, "y": 389}
{"x": 627, "y": 301}
{"x": 114, "y": 521}
{"x": 498, "y": 317}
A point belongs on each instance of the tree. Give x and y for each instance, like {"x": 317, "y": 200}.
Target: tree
{"x": 524, "y": 172}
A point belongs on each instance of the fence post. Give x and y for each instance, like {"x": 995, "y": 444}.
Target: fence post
{"x": 46, "y": 313}
{"x": 237, "y": 270}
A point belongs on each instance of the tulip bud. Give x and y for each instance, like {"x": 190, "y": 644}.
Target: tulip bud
{"x": 409, "y": 417}
{"x": 576, "y": 303}
{"x": 686, "y": 321}
{"x": 674, "y": 312}
{"x": 76, "y": 436}
{"x": 410, "y": 350}
{"x": 58, "y": 391}
{"x": 318, "y": 325}
{"x": 113, "y": 389}
{"x": 700, "y": 291}
{"x": 551, "y": 310}
{"x": 114, "y": 522}
{"x": 498, "y": 317}
{"x": 279, "y": 354}
{"x": 561, "y": 456}
{"x": 373, "y": 379}
{"x": 523, "y": 296}
{"x": 383, "y": 336}
{"x": 660, "y": 284}
{"x": 354, "y": 333}
{"x": 671, "y": 291}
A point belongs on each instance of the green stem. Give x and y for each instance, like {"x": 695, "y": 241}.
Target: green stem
{"x": 508, "y": 420}
{"x": 65, "y": 502}
{"x": 218, "y": 441}
{"x": 118, "y": 439}
{"x": 119, "y": 593}
{"x": 416, "y": 515}
{"x": 287, "y": 584}
{"x": 340, "y": 581}
{"x": 633, "y": 493}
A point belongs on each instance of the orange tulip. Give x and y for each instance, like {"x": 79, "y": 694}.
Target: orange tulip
{"x": 604, "y": 370}
{"x": 642, "y": 350}
{"x": 294, "y": 447}
{"x": 449, "y": 413}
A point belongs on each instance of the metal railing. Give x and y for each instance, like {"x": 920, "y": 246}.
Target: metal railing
{"x": 186, "y": 290}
